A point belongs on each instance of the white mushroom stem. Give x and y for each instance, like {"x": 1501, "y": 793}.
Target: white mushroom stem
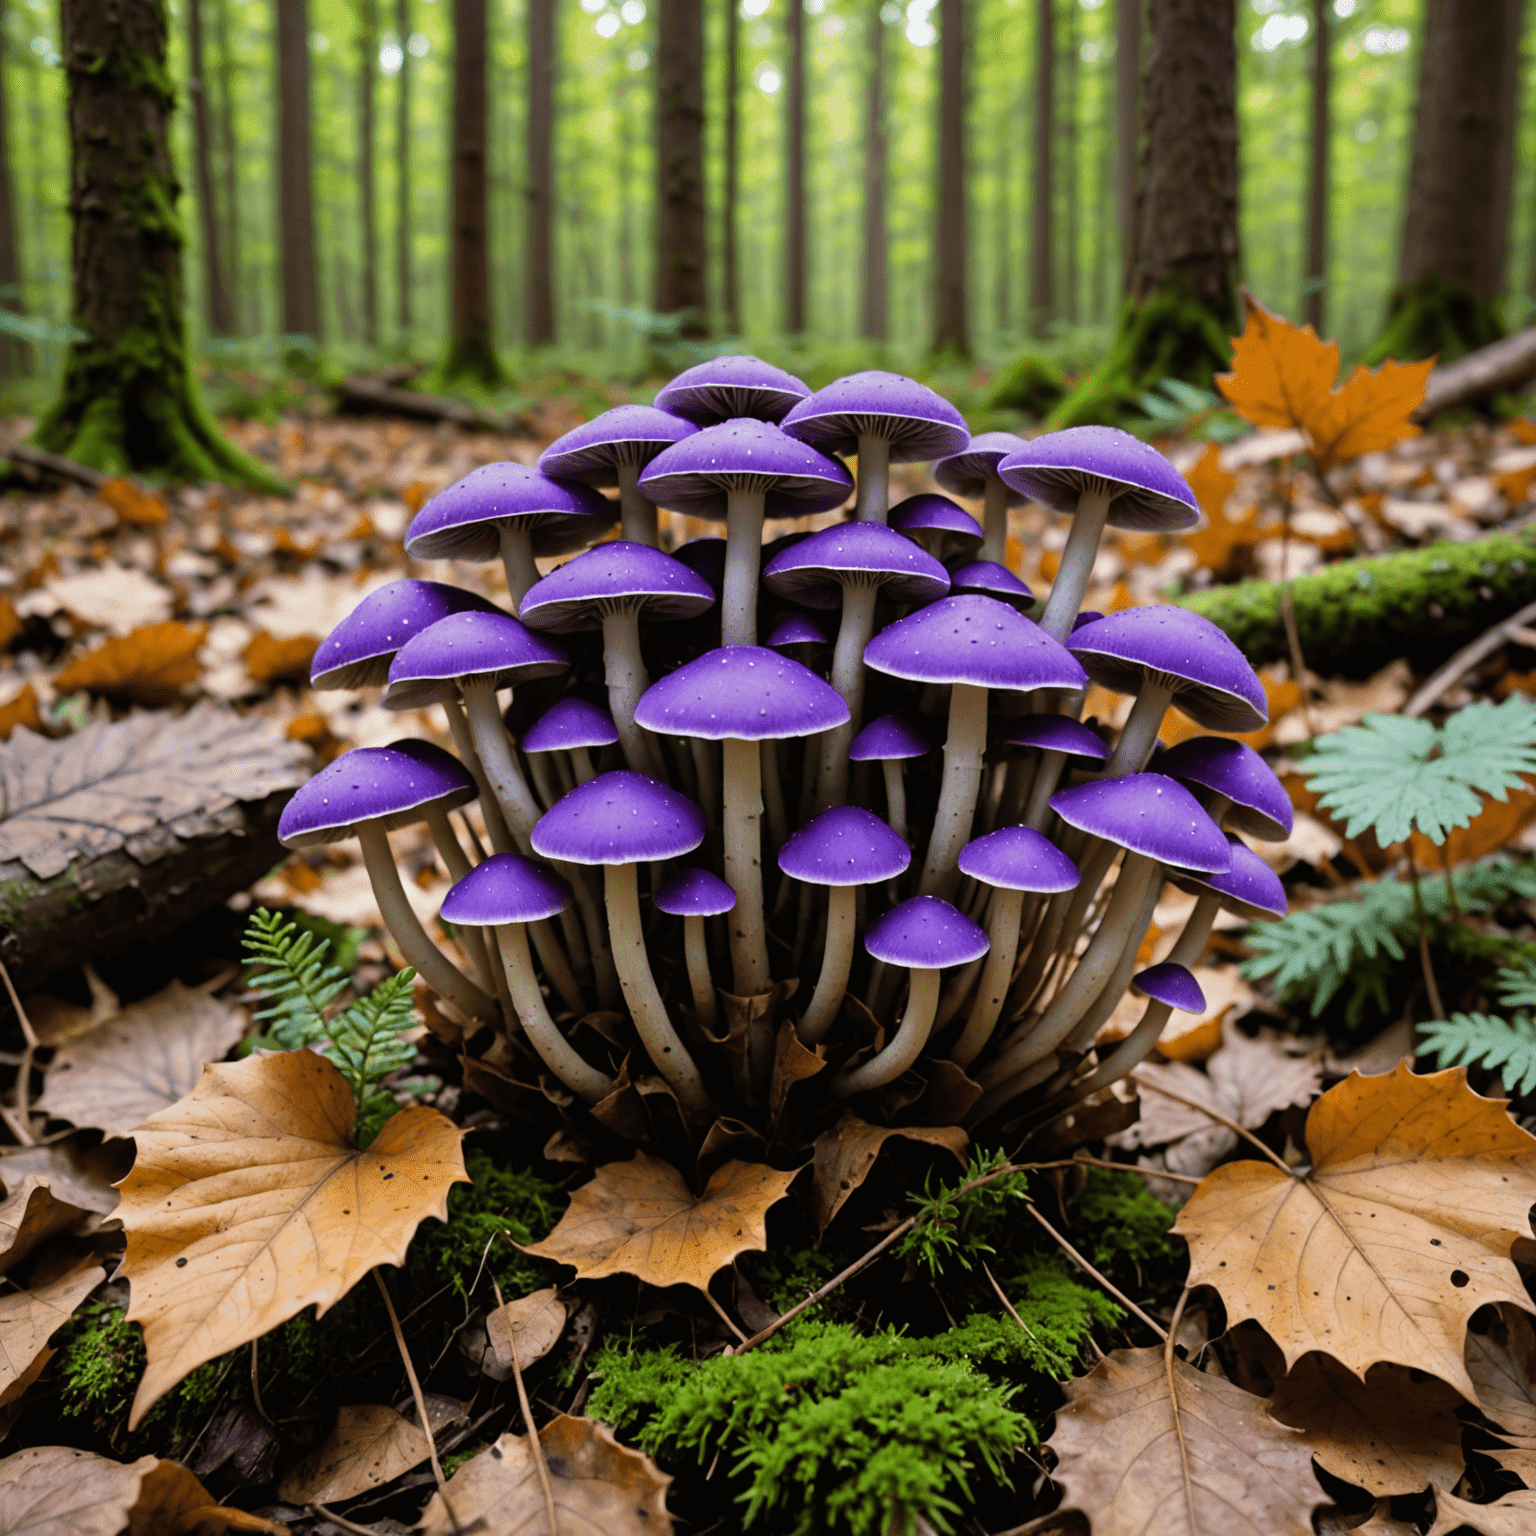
{"x": 638, "y": 520}
{"x": 895, "y": 796}
{"x": 1099, "y": 1011}
{"x": 556, "y": 967}
{"x": 836, "y": 961}
{"x": 625, "y": 674}
{"x": 517, "y": 560}
{"x": 464, "y": 745}
{"x": 696, "y": 951}
{"x": 743, "y": 551}
{"x": 963, "y": 749}
{"x": 916, "y": 1025}
{"x": 555, "y": 1051}
{"x": 667, "y": 1052}
{"x": 1129, "y": 1054}
{"x": 1139, "y": 734}
{"x": 994, "y": 544}
{"x": 1076, "y": 563}
{"x": 853, "y": 632}
{"x": 1047, "y": 776}
{"x": 743, "y": 828}
{"x": 432, "y": 965}
{"x": 987, "y": 1005}
{"x": 540, "y": 770}
{"x": 773, "y": 794}
{"x": 508, "y": 785}
{"x": 456, "y": 861}
{"x": 581, "y": 765}
{"x": 871, "y": 495}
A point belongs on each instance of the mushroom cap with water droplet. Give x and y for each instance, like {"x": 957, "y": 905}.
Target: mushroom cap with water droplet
{"x": 966, "y": 473}
{"x": 888, "y": 739}
{"x": 393, "y": 786}
{"x": 697, "y": 475}
{"x": 694, "y": 893}
{"x": 930, "y": 513}
{"x": 621, "y": 817}
{"x": 846, "y": 845}
{"x": 1058, "y": 733}
{"x": 618, "y": 574}
{"x": 1260, "y": 805}
{"x": 925, "y": 933}
{"x": 496, "y": 646}
{"x": 741, "y": 693}
{"x": 1150, "y": 495}
{"x": 628, "y": 435}
{"x": 1250, "y": 888}
{"x": 357, "y": 653}
{"x": 1172, "y": 984}
{"x": 1019, "y": 859}
{"x": 731, "y": 386}
{"x": 506, "y": 888}
{"x": 1150, "y": 814}
{"x": 795, "y": 628}
{"x": 815, "y": 570}
{"x": 569, "y": 724}
{"x": 992, "y": 580}
{"x": 917, "y": 423}
{"x": 463, "y": 522}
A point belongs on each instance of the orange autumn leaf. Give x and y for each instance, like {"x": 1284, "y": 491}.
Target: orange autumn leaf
{"x": 10, "y": 622}
{"x": 22, "y": 710}
{"x": 1214, "y": 545}
{"x": 1211, "y": 483}
{"x": 270, "y": 660}
{"x": 148, "y": 666}
{"x": 1282, "y": 694}
{"x": 132, "y": 503}
{"x": 1524, "y": 429}
{"x": 1496, "y": 825}
{"x": 1516, "y": 484}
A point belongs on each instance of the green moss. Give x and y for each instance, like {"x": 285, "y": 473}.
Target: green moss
{"x": 470, "y": 360}
{"x": 1057, "y": 1307}
{"x": 784, "y": 1278}
{"x": 1434, "y": 317}
{"x": 1031, "y": 383}
{"x": 1123, "y": 1222}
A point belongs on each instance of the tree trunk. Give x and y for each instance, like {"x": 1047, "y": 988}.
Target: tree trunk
{"x": 626, "y": 176}
{"x": 1071, "y": 70}
{"x": 229, "y": 163}
{"x": 471, "y": 351}
{"x": 538, "y": 273}
{"x": 1127, "y": 123}
{"x": 794, "y": 172}
{"x": 681, "y": 264}
{"x": 1451, "y": 261}
{"x": 403, "y": 277}
{"x": 875, "y": 318}
{"x": 128, "y": 399}
{"x": 367, "y": 66}
{"x": 1319, "y": 129}
{"x": 951, "y": 320}
{"x": 295, "y": 175}
{"x": 1505, "y": 168}
{"x": 14, "y": 355}
{"x": 1002, "y": 276}
{"x": 1042, "y": 302}
{"x": 216, "y": 292}
{"x": 730, "y": 258}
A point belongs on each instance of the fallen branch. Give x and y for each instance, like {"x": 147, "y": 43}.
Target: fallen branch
{"x": 363, "y": 393}
{"x": 1501, "y": 366}
{"x": 39, "y": 459}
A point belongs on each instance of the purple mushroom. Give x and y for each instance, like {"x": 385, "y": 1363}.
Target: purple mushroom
{"x": 890, "y": 741}
{"x": 612, "y": 450}
{"x": 1057, "y": 738}
{"x": 992, "y": 580}
{"x": 1167, "y": 986}
{"x": 728, "y": 387}
{"x": 843, "y": 848}
{"x": 795, "y": 631}
{"x": 1241, "y": 789}
{"x": 693, "y": 895}
{"x": 572, "y": 726}
{"x": 1099, "y": 474}
{"x": 1250, "y": 888}
{"x": 510, "y": 510}
{"x": 973, "y": 473}
{"x": 357, "y": 653}
{"x": 924, "y": 934}
{"x": 942, "y": 527}
{"x": 973, "y": 643}
{"x": 884, "y": 418}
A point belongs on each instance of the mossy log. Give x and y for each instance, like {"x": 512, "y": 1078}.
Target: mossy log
{"x": 1436, "y": 317}
{"x": 1356, "y": 616}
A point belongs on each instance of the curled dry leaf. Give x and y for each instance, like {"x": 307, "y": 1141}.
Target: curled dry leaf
{"x": 173, "y": 1502}
{"x": 140, "y": 1061}
{"x": 21, "y": 709}
{"x": 132, "y": 503}
{"x": 601, "y": 1488}
{"x": 639, "y": 1218}
{"x": 80, "y": 1177}
{"x": 248, "y": 1202}
{"x": 270, "y": 660}
{"x": 31, "y": 1214}
{"x": 1148, "y": 1448}
{"x": 845, "y": 1155}
{"x": 51, "y": 1490}
{"x": 149, "y": 666}
{"x": 1401, "y": 1231}
{"x": 1513, "y": 1515}
{"x": 371, "y": 1445}
{"x": 29, "y": 1318}
{"x": 1502, "y": 1363}
{"x": 1391, "y": 1433}
{"x": 534, "y": 1323}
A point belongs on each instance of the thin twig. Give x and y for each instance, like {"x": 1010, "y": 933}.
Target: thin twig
{"x": 1173, "y": 1399}
{"x": 1002, "y": 1296}
{"x": 421, "y": 1402}
{"x": 1217, "y": 1116}
{"x": 19, "y": 1119}
{"x": 1431, "y": 986}
{"x": 1099, "y": 1162}
{"x": 256, "y": 1385}
{"x": 326, "y": 1513}
{"x": 1445, "y": 677}
{"x": 535, "y": 1444}
{"x": 1092, "y": 1273}
{"x": 1288, "y": 605}
{"x": 725, "y": 1317}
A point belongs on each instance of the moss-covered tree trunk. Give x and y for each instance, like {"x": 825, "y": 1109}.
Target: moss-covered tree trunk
{"x": 15, "y": 356}
{"x": 128, "y": 399}
{"x": 681, "y": 255}
{"x": 1181, "y": 300}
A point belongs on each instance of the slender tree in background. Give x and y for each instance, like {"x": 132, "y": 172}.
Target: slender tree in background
{"x": 1319, "y": 131}
{"x": 626, "y": 176}
{"x": 229, "y": 162}
{"x": 681, "y": 251}
{"x": 730, "y": 260}
{"x": 1128, "y": 15}
{"x": 295, "y": 173}
{"x": 217, "y": 298}
{"x": 794, "y": 169}
{"x": 1451, "y": 261}
{"x": 1002, "y": 214}
{"x": 128, "y": 399}
{"x": 1042, "y": 194}
{"x": 367, "y": 66}
{"x": 951, "y": 320}
{"x": 874, "y": 321}
{"x": 1070, "y": 75}
{"x": 539, "y": 233}
{"x": 403, "y": 276}
{"x": 1509, "y": 68}
{"x": 14, "y": 354}
{"x": 1182, "y": 303}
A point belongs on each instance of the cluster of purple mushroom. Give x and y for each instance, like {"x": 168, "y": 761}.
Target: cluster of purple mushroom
{"x": 675, "y": 801}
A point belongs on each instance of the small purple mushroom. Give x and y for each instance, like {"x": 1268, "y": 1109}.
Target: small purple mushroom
{"x": 973, "y": 473}
{"x": 728, "y": 387}
{"x": 1241, "y": 788}
{"x": 992, "y": 580}
{"x": 941, "y": 526}
{"x": 800, "y": 631}
{"x": 694, "y": 895}
{"x": 890, "y": 741}
{"x": 1167, "y": 986}
{"x": 1250, "y": 888}
{"x": 1057, "y": 738}
{"x": 357, "y": 653}
{"x": 573, "y": 726}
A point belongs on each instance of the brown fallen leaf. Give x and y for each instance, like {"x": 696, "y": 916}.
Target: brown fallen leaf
{"x": 12, "y": 1404}
{"x": 149, "y": 666}
{"x": 173, "y": 1502}
{"x": 1502, "y": 1363}
{"x": 270, "y": 660}
{"x": 51, "y": 1490}
{"x": 29, "y": 1318}
{"x": 22, "y": 709}
{"x": 248, "y": 1202}
{"x": 371, "y": 1445}
{"x": 1494, "y": 827}
{"x": 601, "y": 1488}
{"x": 78, "y": 1176}
{"x": 1145, "y": 1447}
{"x": 844, "y": 1156}
{"x": 31, "y": 1214}
{"x": 1513, "y": 1515}
{"x": 55, "y": 1021}
{"x": 142, "y": 1060}
{"x": 11, "y": 623}
{"x": 1402, "y": 1230}
{"x": 1388, "y": 1434}
{"x": 534, "y": 1323}
{"x": 133, "y": 504}
{"x": 639, "y": 1218}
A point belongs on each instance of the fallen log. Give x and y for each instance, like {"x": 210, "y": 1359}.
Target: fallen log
{"x": 363, "y": 393}
{"x": 1496, "y": 369}
{"x": 40, "y": 460}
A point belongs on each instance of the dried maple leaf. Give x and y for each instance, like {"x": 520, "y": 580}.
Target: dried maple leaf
{"x": 601, "y": 1488}
{"x": 534, "y": 1323}
{"x": 29, "y": 1318}
{"x": 371, "y": 1445}
{"x": 141, "y": 1060}
{"x": 248, "y": 1202}
{"x": 10, "y": 623}
{"x": 1215, "y": 545}
{"x": 132, "y": 503}
{"x": 639, "y": 1218}
{"x": 844, "y": 1156}
{"x": 1401, "y": 1231}
{"x": 270, "y": 660}
{"x": 31, "y": 1214}
{"x": 1513, "y": 1515}
{"x": 1146, "y": 1444}
{"x": 22, "y": 710}
{"x": 150, "y": 666}
{"x": 1502, "y": 1363}
{"x": 1495, "y": 826}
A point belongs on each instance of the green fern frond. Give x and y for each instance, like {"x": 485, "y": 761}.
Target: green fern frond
{"x": 1481, "y": 1039}
{"x": 1516, "y": 984}
{"x": 297, "y": 982}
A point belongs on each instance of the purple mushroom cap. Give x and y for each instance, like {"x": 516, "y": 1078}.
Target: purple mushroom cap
{"x": 706, "y": 558}
{"x": 1148, "y": 814}
{"x": 357, "y": 653}
{"x": 801, "y": 629}
{"x": 740, "y": 693}
{"x": 694, "y": 893}
{"x": 1019, "y": 859}
{"x": 815, "y": 570}
{"x": 928, "y": 513}
{"x": 966, "y": 473}
{"x": 611, "y": 576}
{"x": 426, "y": 670}
{"x": 621, "y": 817}
{"x": 1058, "y": 733}
{"x": 462, "y": 522}
{"x": 1260, "y": 805}
{"x": 1171, "y": 984}
{"x": 844, "y": 846}
{"x": 506, "y": 888}
{"x": 727, "y": 387}
{"x": 1250, "y": 888}
{"x": 1086, "y": 616}
{"x": 627, "y": 435}
{"x": 696, "y": 475}
{"x": 888, "y": 739}
{"x": 995, "y": 580}
{"x": 392, "y": 785}
{"x": 1150, "y": 495}
{"x": 925, "y": 933}
{"x": 973, "y": 639}
{"x": 569, "y": 724}
{"x": 1211, "y": 679}
{"x": 916, "y": 422}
